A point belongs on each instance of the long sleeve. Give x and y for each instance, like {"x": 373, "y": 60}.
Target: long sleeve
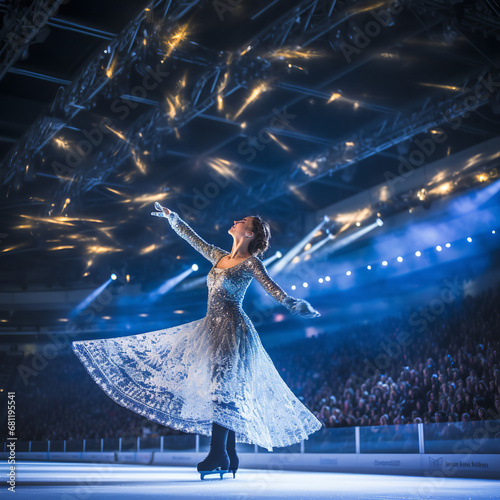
{"x": 182, "y": 228}
{"x": 260, "y": 273}
{"x": 298, "y": 307}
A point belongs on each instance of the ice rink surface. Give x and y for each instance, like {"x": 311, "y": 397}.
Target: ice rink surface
{"x": 80, "y": 481}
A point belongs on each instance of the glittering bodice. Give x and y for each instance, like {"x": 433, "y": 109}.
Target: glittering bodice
{"x": 228, "y": 285}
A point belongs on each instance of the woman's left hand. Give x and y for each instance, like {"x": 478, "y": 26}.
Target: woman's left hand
{"x": 301, "y": 307}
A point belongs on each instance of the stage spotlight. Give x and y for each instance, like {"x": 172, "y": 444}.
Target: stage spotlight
{"x": 348, "y": 273}
{"x": 368, "y": 267}
{"x": 320, "y": 280}
{"x": 194, "y": 267}
{"x": 327, "y": 278}
{"x": 448, "y": 245}
{"x": 292, "y": 254}
{"x": 305, "y": 284}
{"x": 380, "y": 222}
{"x": 114, "y": 276}
{"x": 384, "y": 263}
{"x": 493, "y": 232}
{"x": 279, "y": 254}
{"x": 469, "y": 239}
{"x": 439, "y": 248}
{"x": 90, "y": 298}
{"x": 171, "y": 283}
{"x": 293, "y": 287}
{"x": 400, "y": 259}
{"x": 418, "y": 253}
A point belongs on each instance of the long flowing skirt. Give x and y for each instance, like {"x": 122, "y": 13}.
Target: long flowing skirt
{"x": 209, "y": 370}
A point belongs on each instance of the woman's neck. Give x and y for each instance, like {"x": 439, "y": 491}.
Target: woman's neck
{"x": 239, "y": 250}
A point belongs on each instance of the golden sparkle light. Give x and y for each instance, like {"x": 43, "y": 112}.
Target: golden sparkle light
{"x": 351, "y": 218}
{"x": 111, "y": 68}
{"x": 66, "y": 203}
{"x": 366, "y": 8}
{"x": 278, "y": 142}
{"x": 138, "y": 161}
{"x": 422, "y": 194}
{"x": 334, "y": 97}
{"x": 62, "y": 143}
{"x": 14, "y": 247}
{"x": 444, "y": 87}
{"x": 225, "y": 168}
{"x": 297, "y": 53}
{"x": 245, "y": 50}
{"x": 100, "y": 249}
{"x": 115, "y": 191}
{"x": 256, "y": 92}
{"x": 148, "y": 249}
{"x": 117, "y": 133}
{"x": 62, "y": 247}
{"x": 174, "y": 40}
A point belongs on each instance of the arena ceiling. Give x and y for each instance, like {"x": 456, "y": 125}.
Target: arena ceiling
{"x": 221, "y": 109}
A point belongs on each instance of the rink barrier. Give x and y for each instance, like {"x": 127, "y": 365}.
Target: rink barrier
{"x": 447, "y": 449}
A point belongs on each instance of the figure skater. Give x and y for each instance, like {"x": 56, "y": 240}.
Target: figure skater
{"x": 211, "y": 376}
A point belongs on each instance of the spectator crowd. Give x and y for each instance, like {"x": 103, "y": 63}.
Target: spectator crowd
{"x": 441, "y": 369}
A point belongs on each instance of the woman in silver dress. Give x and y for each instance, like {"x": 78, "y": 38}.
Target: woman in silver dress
{"x": 211, "y": 376}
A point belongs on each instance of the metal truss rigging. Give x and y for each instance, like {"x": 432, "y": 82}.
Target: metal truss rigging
{"x": 21, "y": 27}
{"x": 376, "y": 138}
{"x": 89, "y": 84}
{"x": 244, "y": 66}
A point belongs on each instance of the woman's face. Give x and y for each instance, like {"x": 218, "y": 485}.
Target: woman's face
{"x": 241, "y": 227}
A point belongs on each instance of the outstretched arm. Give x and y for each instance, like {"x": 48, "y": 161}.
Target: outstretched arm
{"x": 295, "y": 306}
{"x": 210, "y": 252}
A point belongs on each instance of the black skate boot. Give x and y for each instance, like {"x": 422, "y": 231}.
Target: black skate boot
{"x": 217, "y": 460}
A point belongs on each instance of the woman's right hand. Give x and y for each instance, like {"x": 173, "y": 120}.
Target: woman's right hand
{"x": 165, "y": 210}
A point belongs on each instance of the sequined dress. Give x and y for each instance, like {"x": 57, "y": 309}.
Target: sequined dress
{"x": 214, "y": 369}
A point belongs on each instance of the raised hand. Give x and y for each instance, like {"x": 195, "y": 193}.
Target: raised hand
{"x": 164, "y": 211}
